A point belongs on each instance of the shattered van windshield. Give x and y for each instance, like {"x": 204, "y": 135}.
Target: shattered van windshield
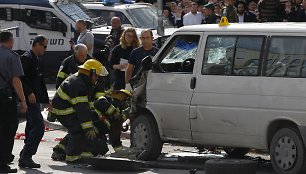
{"x": 75, "y": 10}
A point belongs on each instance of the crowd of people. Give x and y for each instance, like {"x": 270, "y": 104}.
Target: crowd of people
{"x": 186, "y": 12}
{"x": 80, "y": 103}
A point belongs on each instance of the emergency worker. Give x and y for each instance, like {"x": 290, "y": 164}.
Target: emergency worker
{"x": 71, "y": 105}
{"x": 111, "y": 113}
{"x": 70, "y": 64}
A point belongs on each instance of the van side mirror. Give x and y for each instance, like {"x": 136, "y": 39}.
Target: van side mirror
{"x": 147, "y": 63}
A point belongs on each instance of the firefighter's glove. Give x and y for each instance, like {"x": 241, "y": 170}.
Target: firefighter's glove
{"x": 91, "y": 134}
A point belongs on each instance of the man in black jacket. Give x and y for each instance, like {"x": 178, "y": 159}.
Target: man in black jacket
{"x": 36, "y": 93}
{"x": 243, "y": 14}
{"x": 70, "y": 64}
{"x": 210, "y": 15}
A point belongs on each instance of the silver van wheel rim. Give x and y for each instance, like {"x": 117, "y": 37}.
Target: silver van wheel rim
{"x": 285, "y": 153}
{"x": 140, "y": 136}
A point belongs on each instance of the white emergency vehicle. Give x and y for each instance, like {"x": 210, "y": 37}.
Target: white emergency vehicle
{"x": 53, "y": 18}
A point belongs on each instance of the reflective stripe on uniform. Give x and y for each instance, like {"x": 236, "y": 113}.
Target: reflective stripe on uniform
{"x": 72, "y": 158}
{"x": 91, "y": 105}
{"x": 110, "y": 110}
{"x": 118, "y": 148}
{"x": 60, "y": 146}
{"x": 62, "y": 75}
{"x": 81, "y": 99}
{"x": 98, "y": 112}
{"x": 86, "y": 155}
{"x": 62, "y": 94}
{"x": 107, "y": 124}
{"x": 87, "y": 125}
{"x": 99, "y": 94}
{"x": 62, "y": 111}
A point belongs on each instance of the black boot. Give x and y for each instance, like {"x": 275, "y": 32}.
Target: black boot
{"x": 28, "y": 162}
{"x": 58, "y": 156}
{"x": 7, "y": 169}
{"x": 11, "y": 159}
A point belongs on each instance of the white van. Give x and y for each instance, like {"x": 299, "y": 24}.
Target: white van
{"x": 239, "y": 87}
{"x": 53, "y": 18}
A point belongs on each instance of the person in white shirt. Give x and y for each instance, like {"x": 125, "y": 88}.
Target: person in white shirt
{"x": 193, "y": 17}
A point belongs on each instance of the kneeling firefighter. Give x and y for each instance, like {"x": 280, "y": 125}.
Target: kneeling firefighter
{"x": 71, "y": 106}
{"x": 112, "y": 113}
{"x": 109, "y": 113}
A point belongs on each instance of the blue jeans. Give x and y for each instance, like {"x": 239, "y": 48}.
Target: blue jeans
{"x": 34, "y": 131}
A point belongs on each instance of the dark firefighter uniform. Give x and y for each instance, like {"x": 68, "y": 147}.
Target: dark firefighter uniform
{"x": 71, "y": 105}
{"x": 111, "y": 116}
{"x": 108, "y": 119}
{"x": 69, "y": 66}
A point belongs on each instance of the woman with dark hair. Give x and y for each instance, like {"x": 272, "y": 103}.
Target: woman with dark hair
{"x": 167, "y": 15}
{"x": 121, "y": 55}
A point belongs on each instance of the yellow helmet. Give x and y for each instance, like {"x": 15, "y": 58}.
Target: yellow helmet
{"x": 94, "y": 65}
{"x": 121, "y": 95}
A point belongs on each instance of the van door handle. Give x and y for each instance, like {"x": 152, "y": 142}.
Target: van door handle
{"x": 193, "y": 82}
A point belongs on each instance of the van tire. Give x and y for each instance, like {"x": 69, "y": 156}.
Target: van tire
{"x": 230, "y": 166}
{"x": 236, "y": 152}
{"x": 145, "y": 137}
{"x": 293, "y": 159}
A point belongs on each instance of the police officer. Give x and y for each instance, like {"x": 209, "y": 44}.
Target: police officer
{"x": 71, "y": 105}
{"x": 70, "y": 64}
{"x": 36, "y": 94}
{"x": 210, "y": 15}
{"x": 10, "y": 84}
{"x": 230, "y": 12}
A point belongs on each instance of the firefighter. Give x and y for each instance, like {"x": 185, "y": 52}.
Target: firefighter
{"x": 59, "y": 151}
{"x": 110, "y": 112}
{"x": 108, "y": 117}
{"x": 71, "y": 105}
{"x": 70, "y": 64}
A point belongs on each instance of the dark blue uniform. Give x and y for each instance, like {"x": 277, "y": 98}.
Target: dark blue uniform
{"x": 33, "y": 82}
{"x": 10, "y": 67}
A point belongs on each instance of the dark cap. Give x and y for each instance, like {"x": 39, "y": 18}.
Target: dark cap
{"x": 210, "y": 6}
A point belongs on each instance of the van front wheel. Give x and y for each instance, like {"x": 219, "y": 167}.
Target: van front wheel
{"x": 145, "y": 137}
{"x": 287, "y": 152}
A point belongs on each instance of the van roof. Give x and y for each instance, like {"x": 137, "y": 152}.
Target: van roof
{"x": 41, "y": 3}
{"x": 284, "y": 27}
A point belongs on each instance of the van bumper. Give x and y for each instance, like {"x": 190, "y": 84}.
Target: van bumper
{"x": 303, "y": 133}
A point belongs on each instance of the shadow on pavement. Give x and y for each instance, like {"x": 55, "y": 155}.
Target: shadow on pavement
{"x": 32, "y": 171}
{"x": 88, "y": 169}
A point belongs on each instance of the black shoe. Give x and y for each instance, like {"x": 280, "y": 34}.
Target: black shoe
{"x": 11, "y": 159}
{"x": 28, "y": 162}
{"x": 57, "y": 156}
{"x": 7, "y": 169}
